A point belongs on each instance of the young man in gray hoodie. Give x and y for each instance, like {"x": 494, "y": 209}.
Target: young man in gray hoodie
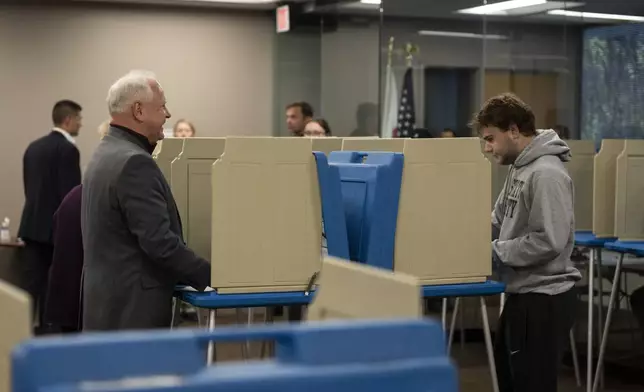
{"x": 533, "y": 232}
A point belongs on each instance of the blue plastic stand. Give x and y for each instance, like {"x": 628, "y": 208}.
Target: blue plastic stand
{"x": 335, "y": 226}
{"x": 588, "y": 240}
{"x": 340, "y": 357}
{"x": 635, "y": 248}
{"x": 370, "y": 191}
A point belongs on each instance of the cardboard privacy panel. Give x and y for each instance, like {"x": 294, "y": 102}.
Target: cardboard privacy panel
{"x": 499, "y": 174}
{"x": 348, "y": 290}
{"x": 326, "y": 144}
{"x": 266, "y": 216}
{"x": 604, "y": 173}
{"x": 191, "y": 189}
{"x": 580, "y": 169}
{"x": 15, "y": 327}
{"x": 629, "y": 192}
{"x": 444, "y": 225}
{"x": 165, "y": 152}
{"x": 373, "y": 144}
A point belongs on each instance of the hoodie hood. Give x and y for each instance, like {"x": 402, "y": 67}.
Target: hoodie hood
{"x": 547, "y": 142}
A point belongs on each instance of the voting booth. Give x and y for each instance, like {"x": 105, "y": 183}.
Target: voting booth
{"x": 326, "y": 144}
{"x": 443, "y": 231}
{"x": 15, "y": 327}
{"x": 604, "y": 177}
{"x": 629, "y": 192}
{"x": 443, "y": 194}
{"x": 373, "y": 144}
{"x": 190, "y": 182}
{"x": 580, "y": 169}
{"x": 348, "y": 290}
{"x": 266, "y": 216}
{"x": 165, "y": 152}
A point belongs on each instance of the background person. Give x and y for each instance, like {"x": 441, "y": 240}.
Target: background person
{"x": 184, "y": 128}
{"x": 51, "y": 168}
{"x": 298, "y": 114}
{"x": 317, "y": 128}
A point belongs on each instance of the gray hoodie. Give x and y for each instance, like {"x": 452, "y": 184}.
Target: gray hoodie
{"x": 533, "y": 220}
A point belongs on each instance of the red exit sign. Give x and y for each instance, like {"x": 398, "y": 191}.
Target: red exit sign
{"x": 283, "y": 19}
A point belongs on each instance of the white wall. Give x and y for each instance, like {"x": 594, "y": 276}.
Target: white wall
{"x": 216, "y": 69}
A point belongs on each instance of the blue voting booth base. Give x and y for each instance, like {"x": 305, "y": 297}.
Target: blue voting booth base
{"x": 635, "y": 248}
{"x": 213, "y": 300}
{"x": 589, "y": 240}
{"x": 371, "y": 184}
{"x": 339, "y": 356}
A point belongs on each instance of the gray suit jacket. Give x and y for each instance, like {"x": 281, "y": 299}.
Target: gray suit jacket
{"x": 134, "y": 252}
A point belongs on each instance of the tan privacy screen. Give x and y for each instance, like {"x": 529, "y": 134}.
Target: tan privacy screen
{"x": 166, "y": 151}
{"x": 15, "y": 326}
{"x": 444, "y": 225}
{"x": 580, "y": 169}
{"x": 266, "y": 216}
{"x": 348, "y": 290}
{"x": 605, "y": 169}
{"x": 191, "y": 189}
{"x": 629, "y": 209}
{"x": 373, "y": 144}
{"x": 326, "y": 144}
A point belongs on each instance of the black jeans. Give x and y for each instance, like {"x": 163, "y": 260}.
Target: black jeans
{"x": 531, "y": 338}
{"x": 637, "y": 304}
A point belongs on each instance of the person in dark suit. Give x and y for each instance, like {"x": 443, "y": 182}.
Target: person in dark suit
{"x": 62, "y": 310}
{"x": 51, "y": 168}
{"x": 134, "y": 252}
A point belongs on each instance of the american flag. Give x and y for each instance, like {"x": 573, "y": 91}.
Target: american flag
{"x": 407, "y": 110}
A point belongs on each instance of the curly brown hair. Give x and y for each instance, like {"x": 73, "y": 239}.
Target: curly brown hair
{"x": 502, "y": 112}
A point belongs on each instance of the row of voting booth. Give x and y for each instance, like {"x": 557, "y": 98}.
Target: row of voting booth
{"x": 255, "y": 206}
{"x": 408, "y": 213}
{"x": 258, "y": 208}
{"x": 446, "y": 187}
{"x": 609, "y": 215}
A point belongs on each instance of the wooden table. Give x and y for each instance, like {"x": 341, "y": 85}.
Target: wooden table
{"x": 11, "y": 263}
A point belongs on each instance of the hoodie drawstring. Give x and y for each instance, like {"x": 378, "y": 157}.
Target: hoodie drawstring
{"x": 508, "y": 181}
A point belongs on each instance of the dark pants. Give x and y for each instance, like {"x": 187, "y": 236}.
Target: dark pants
{"x": 294, "y": 312}
{"x": 35, "y": 273}
{"x": 531, "y": 338}
{"x": 637, "y": 304}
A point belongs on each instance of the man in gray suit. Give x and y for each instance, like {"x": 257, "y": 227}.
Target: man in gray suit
{"x": 134, "y": 252}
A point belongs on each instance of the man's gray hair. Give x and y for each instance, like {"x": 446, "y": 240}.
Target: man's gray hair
{"x": 134, "y": 86}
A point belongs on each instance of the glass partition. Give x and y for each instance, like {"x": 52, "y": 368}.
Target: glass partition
{"x": 421, "y": 68}
{"x": 612, "y": 78}
{"x": 330, "y": 60}
{"x": 564, "y": 64}
{"x": 536, "y": 56}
